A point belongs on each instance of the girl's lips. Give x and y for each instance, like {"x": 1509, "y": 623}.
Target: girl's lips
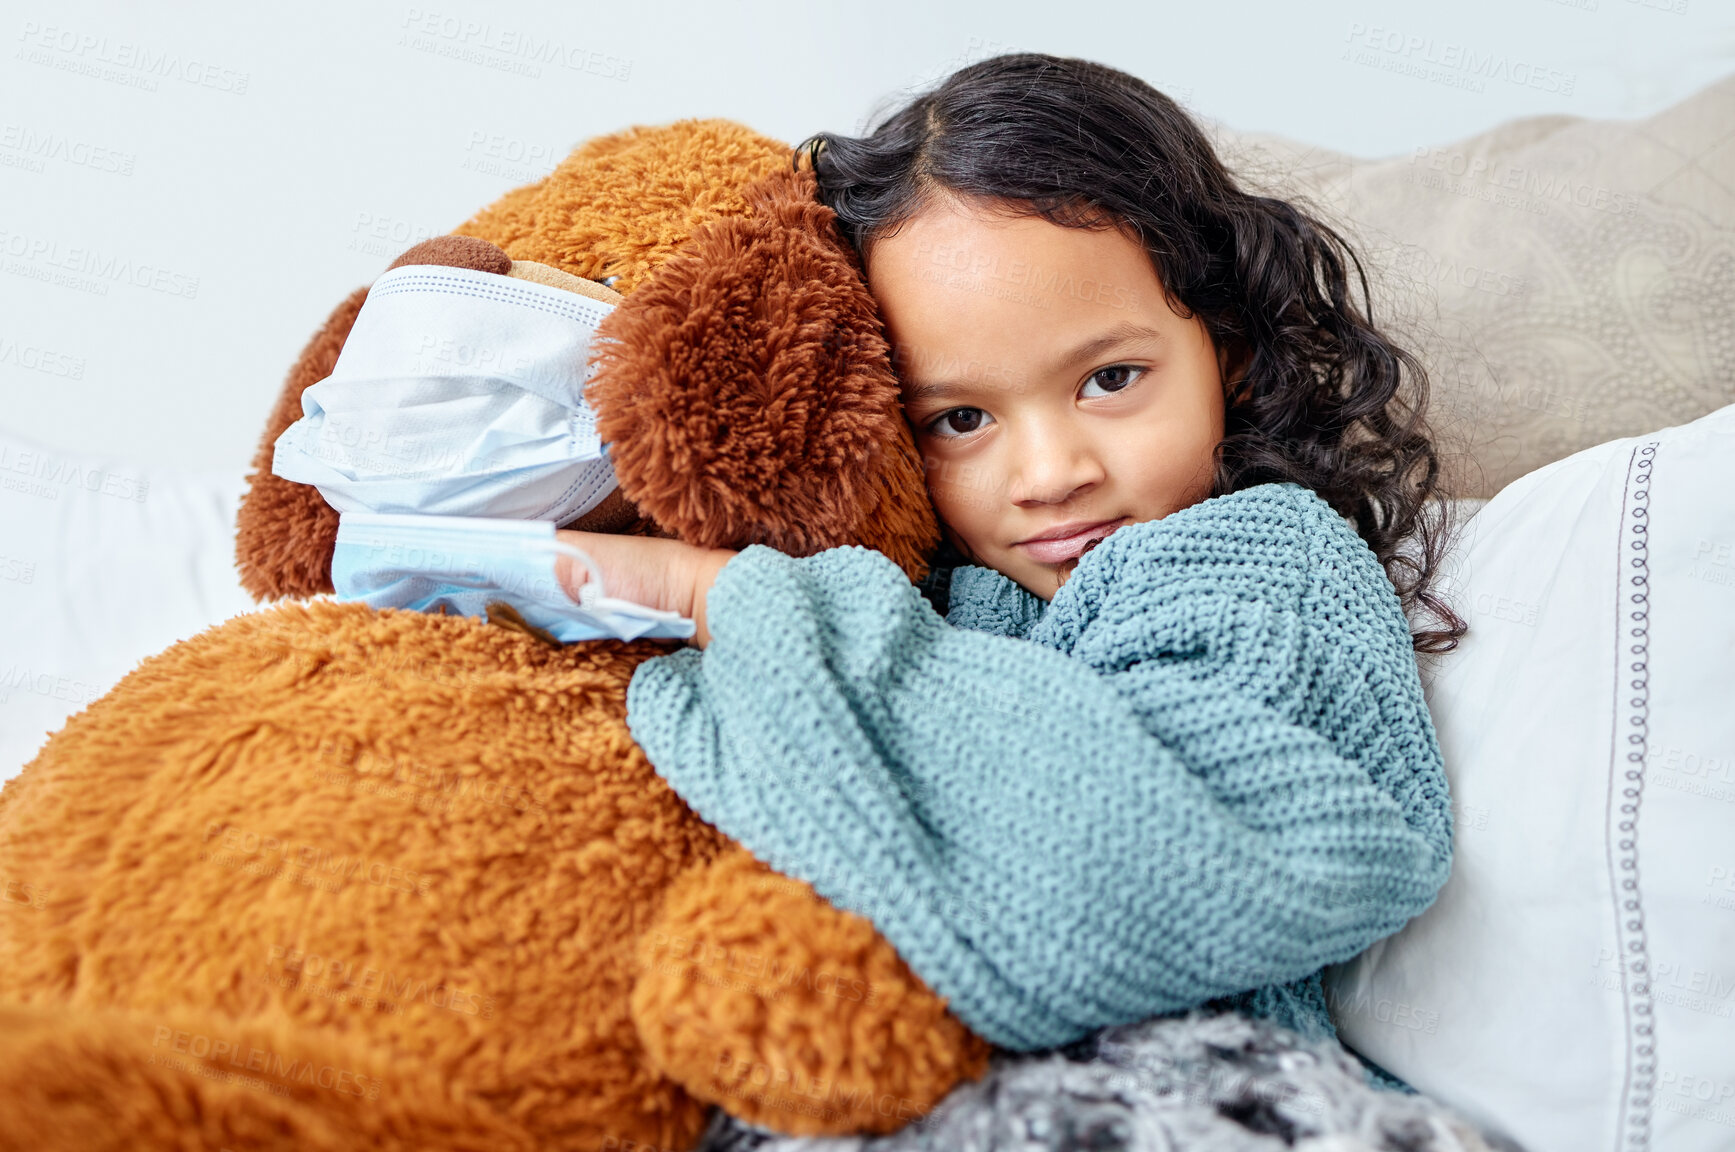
{"x": 1067, "y": 547}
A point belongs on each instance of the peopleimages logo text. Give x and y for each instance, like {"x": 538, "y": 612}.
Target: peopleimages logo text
{"x": 1461, "y": 58}
{"x": 106, "y": 266}
{"x": 89, "y": 49}
{"x": 515, "y": 43}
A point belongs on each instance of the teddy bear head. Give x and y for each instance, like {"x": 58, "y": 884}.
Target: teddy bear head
{"x": 742, "y": 383}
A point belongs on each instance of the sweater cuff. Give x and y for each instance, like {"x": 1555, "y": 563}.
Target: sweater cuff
{"x": 670, "y": 711}
{"x": 663, "y": 697}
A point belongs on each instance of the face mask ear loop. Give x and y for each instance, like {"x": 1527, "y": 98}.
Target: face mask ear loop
{"x": 592, "y": 589}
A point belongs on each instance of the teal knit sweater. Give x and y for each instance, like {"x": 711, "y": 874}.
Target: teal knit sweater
{"x": 1202, "y": 771}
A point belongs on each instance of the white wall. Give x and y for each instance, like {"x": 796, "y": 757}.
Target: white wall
{"x": 194, "y": 223}
{"x": 185, "y": 194}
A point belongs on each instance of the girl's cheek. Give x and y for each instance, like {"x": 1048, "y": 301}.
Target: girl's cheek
{"x": 941, "y": 472}
{"x": 961, "y": 500}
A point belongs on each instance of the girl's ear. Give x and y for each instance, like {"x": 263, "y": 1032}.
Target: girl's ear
{"x": 746, "y": 393}
{"x": 1233, "y": 361}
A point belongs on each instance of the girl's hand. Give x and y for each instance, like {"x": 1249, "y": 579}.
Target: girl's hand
{"x": 654, "y": 571}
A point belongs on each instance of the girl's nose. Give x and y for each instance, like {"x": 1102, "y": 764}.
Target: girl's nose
{"x": 1052, "y": 464}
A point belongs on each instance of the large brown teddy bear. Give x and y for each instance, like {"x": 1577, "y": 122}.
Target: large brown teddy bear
{"x": 325, "y": 877}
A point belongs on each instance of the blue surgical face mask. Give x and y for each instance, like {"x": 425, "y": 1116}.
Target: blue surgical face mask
{"x": 457, "y": 393}
{"x": 463, "y": 563}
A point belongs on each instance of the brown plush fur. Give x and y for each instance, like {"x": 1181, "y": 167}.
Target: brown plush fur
{"x": 323, "y": 877}
{"x": 719, "y": 456}
{"x": 621, "y": 205}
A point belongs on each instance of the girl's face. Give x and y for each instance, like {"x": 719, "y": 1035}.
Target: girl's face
{"x": 1052, "y": 389}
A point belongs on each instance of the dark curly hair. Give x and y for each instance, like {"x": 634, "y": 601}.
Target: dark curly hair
{"x": 1085, "y": 145}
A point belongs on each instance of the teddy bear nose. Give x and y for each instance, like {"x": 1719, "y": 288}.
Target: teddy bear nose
{"x": 457, "y": 252}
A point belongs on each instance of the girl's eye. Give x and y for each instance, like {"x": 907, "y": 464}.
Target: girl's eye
{"x": 970, "y": 418}
{"x": 957, "y": 422}
{"x": 1115, "y": 378}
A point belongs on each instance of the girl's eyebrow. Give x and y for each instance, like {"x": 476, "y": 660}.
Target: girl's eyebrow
{"x": 1124, "y": 332}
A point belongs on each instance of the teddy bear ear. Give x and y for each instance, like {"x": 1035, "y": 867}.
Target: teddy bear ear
{"x": 746, "y": 393}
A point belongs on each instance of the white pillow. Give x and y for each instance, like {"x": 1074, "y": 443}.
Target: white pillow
{"x": 102, "y": 564}
{"x": 1588, "y": 726}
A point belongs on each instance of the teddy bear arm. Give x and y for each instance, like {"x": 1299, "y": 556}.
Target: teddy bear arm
{"x": 755, "y": 994}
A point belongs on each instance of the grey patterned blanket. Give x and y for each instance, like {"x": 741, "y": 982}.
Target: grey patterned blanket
{"x": 1204, "y": 1082}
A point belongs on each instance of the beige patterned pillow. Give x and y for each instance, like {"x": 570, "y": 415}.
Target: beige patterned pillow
{"x": 1566, "y": 281}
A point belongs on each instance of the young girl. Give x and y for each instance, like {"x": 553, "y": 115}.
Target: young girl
{"x": 1168, "y": 743}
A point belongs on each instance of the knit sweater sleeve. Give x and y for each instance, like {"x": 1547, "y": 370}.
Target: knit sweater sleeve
{"x": 1205, "y": 767}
